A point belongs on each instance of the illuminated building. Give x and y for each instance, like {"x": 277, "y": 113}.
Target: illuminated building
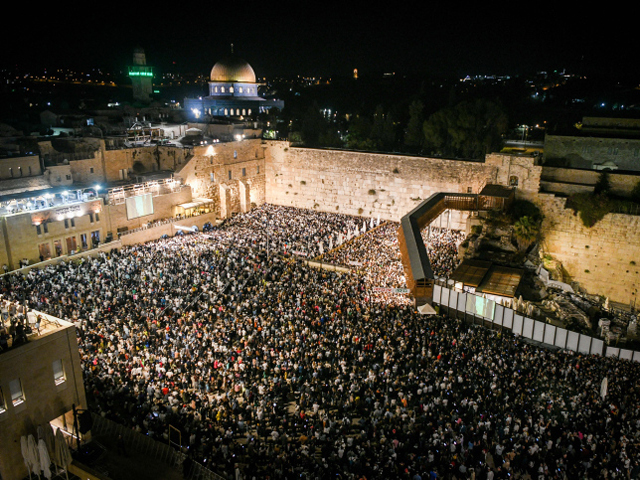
{"x": 233, "y": 92}
{"x": 141, "y": 77}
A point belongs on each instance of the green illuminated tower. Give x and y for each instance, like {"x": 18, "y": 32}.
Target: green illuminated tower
{"x": 141, "y": 77}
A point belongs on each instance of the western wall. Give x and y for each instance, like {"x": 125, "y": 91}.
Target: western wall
{"x": 602, "y": 259}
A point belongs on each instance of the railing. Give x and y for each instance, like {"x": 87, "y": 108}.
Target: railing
{"x": 148, "y": 446}
{"x": 117, "y": 195}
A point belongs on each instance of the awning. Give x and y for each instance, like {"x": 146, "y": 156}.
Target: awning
{"x": 426, "y": 309}
{"x": 196, "y": 202}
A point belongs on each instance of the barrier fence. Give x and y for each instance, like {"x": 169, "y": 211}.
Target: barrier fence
{"x": 465, "y": 305}
{"x": 149, "y": 447}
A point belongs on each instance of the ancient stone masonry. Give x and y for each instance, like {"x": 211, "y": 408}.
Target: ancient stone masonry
{"x": 365, "y": 183}
{"x": 604, "y": 259}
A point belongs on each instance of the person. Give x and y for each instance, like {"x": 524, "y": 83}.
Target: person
{"x": 234, "y": 346}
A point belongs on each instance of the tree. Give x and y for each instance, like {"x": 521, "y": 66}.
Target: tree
{"x": 603, "y": 185}
{"x": 382, "y": 132}
{"x": 635, "y": 193}
{"x": 313, "y": 126}
{"x": 526, "y": 231}
{"x": 470, "y": 129}
{"x": 414, "y": 133}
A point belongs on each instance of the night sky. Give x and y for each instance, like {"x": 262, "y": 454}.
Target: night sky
{"x": 442, "y": 40}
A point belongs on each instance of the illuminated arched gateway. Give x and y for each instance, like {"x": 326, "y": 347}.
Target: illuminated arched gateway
{"x": 233, "y": 92}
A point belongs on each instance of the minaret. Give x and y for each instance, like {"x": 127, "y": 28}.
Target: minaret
{"x": 141, "y": 77}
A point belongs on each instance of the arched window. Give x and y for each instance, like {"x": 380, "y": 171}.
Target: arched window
{"x": 244, "y": 112}
{"x": 215, "y": 89}
{"x": 226, "y": 112}
{"x": 239, "y": 89}
{"x": 222, "y": 89}
{"x": 249, "y": 112}
{"x": 230, "y": 89}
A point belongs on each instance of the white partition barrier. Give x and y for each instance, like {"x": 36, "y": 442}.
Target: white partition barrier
{"x": 518, "y": 321}
{"x": 538, "y": 331}
{"x": 444, "y": 297}
{"x": 507, "y": 320}
{"x": 572, "y": 340}
{"x": 550, "y": 335}
{"x": 597, "y": 346}
{"x": 453, "y": 299}
{"x": 527, "y": 328}
{"x": 462, "y": 301}
{"x": 584, "y": 344}
{"x": 626, "y": 354}
{"x": 437, "y": 291}
{"x": 612, "y": 352}
{"x": 561, "y": 337}
{"x": 497, "y": 319}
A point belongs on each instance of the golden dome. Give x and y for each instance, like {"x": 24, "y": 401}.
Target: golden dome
{"x": 233, "y": 69}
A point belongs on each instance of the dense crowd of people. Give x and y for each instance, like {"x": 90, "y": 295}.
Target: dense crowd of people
{"x": 279, "y": 370}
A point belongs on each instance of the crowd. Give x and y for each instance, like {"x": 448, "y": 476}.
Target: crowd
{"x": 279, "y": 370}
{"x": 442, "y": 248}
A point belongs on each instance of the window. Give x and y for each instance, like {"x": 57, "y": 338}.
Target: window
{"x": 38, "y": 230}
{"x": 244, "y": 172}
{"x": 513, "y": 181}
{"x": 58, "y": 372}
{"x": 68, "y": 177}
{"x": 45, "y": 227}
{"x": 230, "y": 89}
{"x": 258, "y": 172}
{"x": 17, "y": 395}
{"x": 73, "y": 222}
{"x": 235, "y": 154}
{"x": 91, "y": 170}
{"x": 213, "y": 177}
{"x": 91, "y": 217}
{"x": 66, "y": 223}
{"x": 229, "y": 174}
{"x": 97, "y": 217}
{"x": 469, "y": 189}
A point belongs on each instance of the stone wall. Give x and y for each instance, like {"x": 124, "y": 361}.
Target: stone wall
{"x": 16, "y": 167}
{"x": 604, "y": 259}
{"x": 585, "y": 152}
{"x": 142, "y": 159}
{"x": 568, "y": 180}
{"x": 366, "y": 184}
{"x": 231, "y": 174}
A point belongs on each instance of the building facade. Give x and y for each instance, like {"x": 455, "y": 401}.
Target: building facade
{"x": 40, "y": 383}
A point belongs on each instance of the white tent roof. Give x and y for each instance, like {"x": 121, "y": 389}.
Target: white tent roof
{"x": 426, "y": 309}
